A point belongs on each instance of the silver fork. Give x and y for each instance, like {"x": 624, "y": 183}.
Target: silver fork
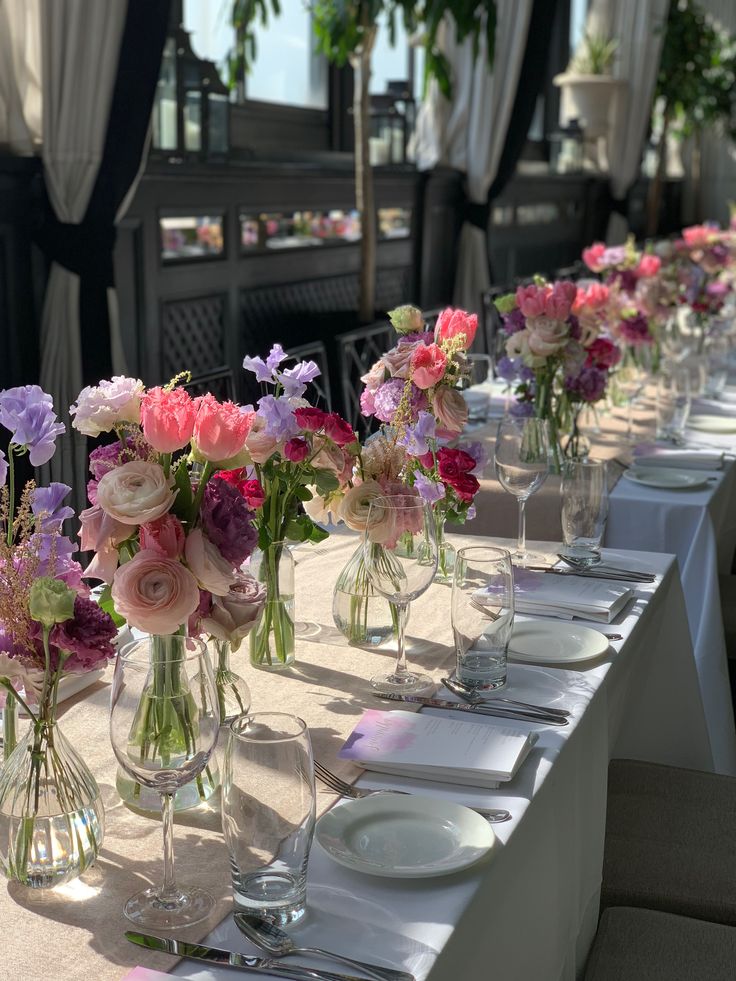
{"x": 476, "y": 697}
{"x": 331, "y": 780}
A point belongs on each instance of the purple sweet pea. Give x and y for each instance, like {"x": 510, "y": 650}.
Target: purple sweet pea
{"x": 414, "y": 439}
{"x": 28, "y": 413}
{"x": 228, "y": 521}
{"x": 479, "y": 453}
{"x": 507, "y": 368}
{"x": 471, "y": 512}
{"x": 46, "y": 505}
{"x": 522, "y": 410}
{"x": 3, "y": 469}
{"x": 430, "y": 491}
{"x": 278, "y": 414}
{"x": 265, "y": 370}
{"x": 514, "y": 321}
{"x": 296, "y": 379}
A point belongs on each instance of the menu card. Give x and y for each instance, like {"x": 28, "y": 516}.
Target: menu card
{"x": 409, "y": 744}
{"x": 567, "y": 596}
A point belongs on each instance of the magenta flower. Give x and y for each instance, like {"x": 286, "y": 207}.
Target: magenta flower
{"x": 228, "y": 521}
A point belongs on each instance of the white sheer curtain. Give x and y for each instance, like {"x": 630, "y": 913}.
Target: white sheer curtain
{"x": 20, "y": 76}
{"x": 469, "y": 133}
{"x": 80, "y": 45}
{"x": 637, "y": 25}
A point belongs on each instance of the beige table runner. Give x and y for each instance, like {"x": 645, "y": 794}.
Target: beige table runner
{"x": 77, "y": 931}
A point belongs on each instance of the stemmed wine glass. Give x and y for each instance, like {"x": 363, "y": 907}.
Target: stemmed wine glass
{"x": 400, "y": 551}
{"x": 521, "y": 456}
{"x": 164, "y": 721}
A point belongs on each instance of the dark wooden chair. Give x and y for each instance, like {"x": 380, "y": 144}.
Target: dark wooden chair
{"x": 358, "y": 350}
{"x": 220, "y": 382}
{"x": 321, "y": 388}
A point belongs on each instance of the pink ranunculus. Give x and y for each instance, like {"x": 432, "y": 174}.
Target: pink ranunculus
{"x": 221, "y": 428}
{"x": 452, "y": 323}
{"x": 558, "y": 301}
{"x": 154, "y": 594}
{"x": 136, "y": 492}
{"x": 649, "y": 265}
{"x": 260, "y": 444}
{"x": 450, "y": 409}
{"x": 428, "y": 365}
{"x": 530, "y": 300}
{"x": 168, "y": 418}
{"x": 592, "y": 256}
{"x": 296, "y": 449}
{"x": 212, "y": 572}
{"x": 547, "y": 336}
{"x": 233, "y": 616}
{"x": 165, "y": 536}
{"x": 339, "y": 430}
{"x": 101, "y": 534}
{"x": 310, "y": 419}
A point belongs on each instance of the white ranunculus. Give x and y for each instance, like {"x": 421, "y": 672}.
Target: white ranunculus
{"x": 356, "y": 503}
{"x": 136, "y": 492}
{"x": 99, "y": 407}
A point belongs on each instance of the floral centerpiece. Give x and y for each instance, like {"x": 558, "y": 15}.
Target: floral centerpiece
{"x": 704, "y": 257}
{"x": 51, "y": 812}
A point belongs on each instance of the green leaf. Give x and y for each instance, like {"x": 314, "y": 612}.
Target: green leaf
{"x": 185, "y": 498}
{"x": 298, "y": 530}
{"x": 264, "y": 538}
{"x": 318, "y": 533}
{"x": 303, "y": 493}
{"x": 107, "y": 606}
{"x": 325, "y": 482}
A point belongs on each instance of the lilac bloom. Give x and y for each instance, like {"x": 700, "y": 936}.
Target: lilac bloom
{"x": 3, "y": 469}
{"x": 278, "y": 415}
{"x": 471, "y": 512}
{"x": 265, "y": 371}
{"x": 522, "y": 410}
{"x": 46, "y": 505}
{"x": 415, "y": 437}
{"x": 296, "y": 379}
{"x": 430, "y": 491}
{"x": 507, "y": 368}
{"x": 479, "y": 453}
{"x": 28, "y": 413}
{"x": 526, "y": 374}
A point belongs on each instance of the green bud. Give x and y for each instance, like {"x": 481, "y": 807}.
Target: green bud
{"x": 406, "y": 319}
{"x": 51, "y": 601}
{"x": 506, "y": 303}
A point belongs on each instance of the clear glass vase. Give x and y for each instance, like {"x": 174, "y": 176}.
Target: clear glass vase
{"x": 158, "y": 694}
{"x": 272, "y": 639}
{"x": 52, "y": 819}
{"x": 10, "y": 726}
{"x": 233, "y": 692}
{"x": 577, "y": 446}
{"x": 445, "y": 550}
{"x": 361, "y": 614}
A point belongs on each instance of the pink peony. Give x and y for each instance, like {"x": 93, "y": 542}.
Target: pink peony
{"x": 296, "y": 449}
{"x": 452, "y": 323}
{"x": 595, "y": 297}
{"x": 592, "y": 256}
{"x": 450, "y": 409}
{"x": 168, "y": 418}
{"x": 339, "y": 430}
{"x": 155, "y": 594}
{"x": 310, "y": 419}
{"x": 210, "y": 569}
{"x": 649, "y": 265}
{"x": 165, "y": 536}
{"x": 136, "y": 493}
{"x": 221, "y": 428}
{"x": 428, "y": 365}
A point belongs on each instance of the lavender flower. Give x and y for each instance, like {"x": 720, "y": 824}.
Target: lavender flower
{"x": 479, "y": 453}
{"x": 296, "y": 379}
{"x": 386, "y": 399}
{"x": 507, "y": 368}
{"x": 3, "y": 468}
{"x": 415, "y": 437}
{"x": 514, "y": 321}
{"x": 228, "y": 521}
{"x": 430, "y": 491}
{"x": 522, "y": 410}
{"x": 278, "y": 414}
{"x": 589, "y": 385}
{"x": 28, "y": 413}
{"x": 46, "y": 505}
{"x": 265, "y": 370}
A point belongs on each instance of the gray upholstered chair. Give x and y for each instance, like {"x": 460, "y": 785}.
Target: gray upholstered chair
{"x": 647, "y": 945}
{"x": 670, "y": 841}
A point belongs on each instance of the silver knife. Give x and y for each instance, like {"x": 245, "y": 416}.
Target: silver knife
{"x": 230, "y": 958}
{"x": 525, "y": 715}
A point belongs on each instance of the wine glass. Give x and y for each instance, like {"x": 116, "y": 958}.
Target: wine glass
{"x": 164, "y": 721}
{"x": 400, "y": 551}
{"x": 521, "y": 456}
{"x": 673, "y": 403}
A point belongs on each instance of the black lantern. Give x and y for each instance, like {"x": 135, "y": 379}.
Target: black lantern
{"x": 392, "y": 120}
{"x": 191, "y": 111}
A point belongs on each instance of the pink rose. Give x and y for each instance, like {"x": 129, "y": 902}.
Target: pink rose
{"x": 168, "y": 418}
{"x": 530, "y": 300}
{"x": 559, "y": 299}
{"x": 428, "y": 365}
{"x": 398, "y": 359}
{"x": 450, "y": 409}
{"x": 296, "y": 449}
{"x": 546, "y": 336}
{"x": 328, "y": 456}
{"x": 649, "y": 265}
{"x": 209, "y": 568}
{"x": 374, "y": 378}
{"x": 165, "y": 536}
{"x": 154, "y": 594}
{"x": 221, "y": 428}
{"x": 310, "y": 419}
{"x": 339, "y": 430}
{"x": 136, "y": 492}
{"x": 233, "y": 616}
{"x": 260, "y": 445}
{"x": 101, "y": 534}
{"x": 451, "y": 323}
{"x": 592, "y": 256}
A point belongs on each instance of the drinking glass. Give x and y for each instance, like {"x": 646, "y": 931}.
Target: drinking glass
{"x": 717, "y": 361}
{"x": 164, "y": 721}
{"x": 400, "y": 550}
{"x": 477, "y": 373}
{"x": 482, "y": 615}
{"x": 584, "y": 492}
{"x": 630, "y": 379}
{"x": 268, "y": 809}
{"x": 673, "y": 403}
{"x": 521, "y": 456}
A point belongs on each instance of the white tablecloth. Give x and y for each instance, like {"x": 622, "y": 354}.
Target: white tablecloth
{"x": 528, "y": 913}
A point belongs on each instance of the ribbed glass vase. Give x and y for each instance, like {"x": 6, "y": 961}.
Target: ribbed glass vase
{"x": 362, "y": 615}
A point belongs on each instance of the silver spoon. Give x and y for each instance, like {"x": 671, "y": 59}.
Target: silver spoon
{"x": 272, "y": 939}
{"x": 603, "y": 568}
{"x": 474, "y": 697}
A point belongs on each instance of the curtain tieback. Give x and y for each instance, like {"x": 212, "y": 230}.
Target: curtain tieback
{"x": 477, "y": 214}
{"x": 85, "y": 248}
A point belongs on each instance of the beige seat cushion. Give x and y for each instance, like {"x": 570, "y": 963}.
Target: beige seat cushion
{"x": 671, "y": 841}
{"x": 646, "y": 945}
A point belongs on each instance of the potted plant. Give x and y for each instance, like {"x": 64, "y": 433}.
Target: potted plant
{"x": 587, "y": 89}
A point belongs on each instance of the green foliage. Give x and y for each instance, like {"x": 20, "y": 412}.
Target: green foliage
{"x": 697, "y": 71}
{"x": 243, "y": 17}
{"x": 596, "y": 55}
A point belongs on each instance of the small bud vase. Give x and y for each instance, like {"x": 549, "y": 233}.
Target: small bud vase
{"x": 272, "y": 638}
{"x": 361, "y": 614}
{"x": 233, "y": 692}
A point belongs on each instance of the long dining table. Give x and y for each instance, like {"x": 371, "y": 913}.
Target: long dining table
{"x": 528, "y": 910}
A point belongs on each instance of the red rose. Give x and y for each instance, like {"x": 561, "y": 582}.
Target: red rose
{"x": 465, "y": 485}
{"x": 454, "y": 468}
{"x": 296, "y": 449}
{"x": 310, "y": 418}
{"x": 339, "y": 431}
{"x": 253, "y": 493}
{"x": 427, "y": 460}
{"x": 603, "y": 353}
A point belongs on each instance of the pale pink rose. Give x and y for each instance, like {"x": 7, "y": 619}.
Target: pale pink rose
{"x": 398, "y": 360}
{"x": 165, "y": 536}
{"x": 327, "y": 456}
{"x": 428, "y": 365}
{"x": 168, "y": 418}
{"x": 592, "y": 256}
{"x": 233, "y": 616}
{"x": 530, "y": 300}
{"x": 450, "y": 409}
{"x": 260, "y": 445}
{"x": 101, "y": 534}
{"x": 209, "y": 568}
{"x": 546, "y": 336}
{"x": 155, "y": 594}
{"x": 221, "y": 428}
{"x": 452, "y": 323}
{"x": 376, "y": 376}
{"x": 356, "y": 502}
{"x": 136, "y": 493}
{"x": 649, "y": 265}
{"x": 98, "y": 408}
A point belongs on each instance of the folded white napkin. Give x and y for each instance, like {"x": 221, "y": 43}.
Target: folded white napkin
{"x": 661, "y": 456}
{"x": 545, "y": 594}
{"x": 711, "y": 407}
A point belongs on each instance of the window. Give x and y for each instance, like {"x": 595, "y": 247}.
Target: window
{"x": 211, "y": 34}
{"x": 287, "y": 69}
{"x": 398, "y": 63}
{"x": 190, "y": 237}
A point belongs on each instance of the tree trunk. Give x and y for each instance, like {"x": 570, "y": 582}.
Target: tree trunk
{"x": 654, "y": 196}
{"x": 364, "y": 198}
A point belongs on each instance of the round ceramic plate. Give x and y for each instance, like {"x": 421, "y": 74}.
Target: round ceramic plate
{"x": 712, "y": 424}
{"x": 666, "y": 477}
{"x": 551, "y": 642}
{"x": 404, "y": 836}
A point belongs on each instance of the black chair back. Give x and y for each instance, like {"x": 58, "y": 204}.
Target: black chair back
{"x": 220, "y": 382}
{"x": 317, "y": 352}
{"x": 495, "y": 339}
{"x": 358, "y": 350}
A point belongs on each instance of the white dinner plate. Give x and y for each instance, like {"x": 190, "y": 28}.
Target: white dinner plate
{"x": 404, "y": 836}
{"x": 551, "y": 642}
{"x": 712, "y": 424}
{"x": 666, "y": 477}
